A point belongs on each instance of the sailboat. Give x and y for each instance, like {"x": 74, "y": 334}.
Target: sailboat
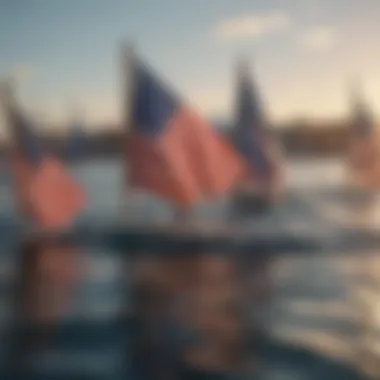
{"x": 263, "y": 185}
{"x": 364, "y": 147}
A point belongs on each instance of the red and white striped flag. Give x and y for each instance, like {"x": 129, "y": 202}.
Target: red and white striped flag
{"x": 171, "y": 150}
{"x": 44, "y": 190}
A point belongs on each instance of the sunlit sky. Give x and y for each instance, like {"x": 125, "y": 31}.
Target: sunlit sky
{"x": 303, "y": 52}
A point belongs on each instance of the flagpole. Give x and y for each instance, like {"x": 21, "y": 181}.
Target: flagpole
{"x": 127, "y": 62}
{"x": 7, "y": 101}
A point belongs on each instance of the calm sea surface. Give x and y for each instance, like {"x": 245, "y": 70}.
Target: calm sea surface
{"x": 322, "y": 301}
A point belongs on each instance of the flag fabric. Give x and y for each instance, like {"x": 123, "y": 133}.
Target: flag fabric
{"x": 56, "y": 197}
{"x": 364, "y": 148}
{"x": 171, "y": 150}
{"x": 251, "y": 136}
{"x": 44, "y": 190}
{"x": 362, "y": 120}
{"x": 49, "y": 199}
{"x": 249, "y": 116}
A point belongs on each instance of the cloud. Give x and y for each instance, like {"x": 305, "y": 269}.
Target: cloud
{"x": 254, "y": 25}
{"x": 319, "y": 38}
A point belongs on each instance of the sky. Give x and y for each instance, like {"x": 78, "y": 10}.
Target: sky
{"x": 303, "y": 53}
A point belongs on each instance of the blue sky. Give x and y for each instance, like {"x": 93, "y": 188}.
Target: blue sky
{"x": 303, "y": 52}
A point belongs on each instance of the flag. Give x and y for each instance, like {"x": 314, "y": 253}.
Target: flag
{"x": 249, "y": 116}
{"x": 251, "y": 136}
{"x": 50, "y": 199}
{"x": 44, "y": 190}
{"x": 171, "y": 150}
{"x": 364, "y": 144}
{"x": 362, "y": 124}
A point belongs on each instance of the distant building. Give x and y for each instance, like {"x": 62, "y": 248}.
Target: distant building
{"x": 300, "y": 137}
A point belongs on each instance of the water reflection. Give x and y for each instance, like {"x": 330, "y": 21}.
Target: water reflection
{"x": 331, "y": 304}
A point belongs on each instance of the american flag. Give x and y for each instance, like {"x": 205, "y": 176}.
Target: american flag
{"x": 171, "y": 150}
{"x": 251, "y": 135}
{"x": 362, "y": 124}
{"x": 364, "y": 147}
{"x": 45, "y": 192}
{"x": 50, "y": 200}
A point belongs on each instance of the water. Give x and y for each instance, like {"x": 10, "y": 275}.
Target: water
{"x": 319, "y": 300}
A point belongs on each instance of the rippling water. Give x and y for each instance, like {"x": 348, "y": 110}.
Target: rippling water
{"x": 321, "y": 301}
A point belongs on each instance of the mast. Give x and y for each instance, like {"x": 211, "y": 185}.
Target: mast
{"x": 127, "y": 63}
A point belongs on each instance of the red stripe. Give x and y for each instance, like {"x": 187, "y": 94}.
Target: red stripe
{"x": 46, "y": 195}
{"x": 211, "y": 161}
{"x": 55, "y": 198}
{"x": 187, "y": 162}
{"x": 152, "y": 169}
